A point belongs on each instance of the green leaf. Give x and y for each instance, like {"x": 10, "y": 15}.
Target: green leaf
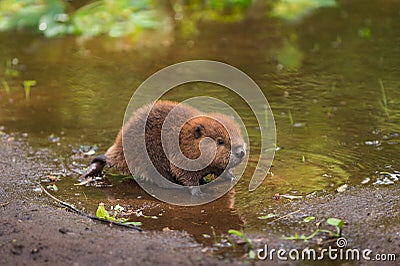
{"x": 101, "y": 212}
{"x": 235, "y": 232}
{"x": 252, "y": 254}
{"x": 309, "y": 218}
{"x": 268, "y": 216}
{"x": 242, "y": 236}
{"x": 29, "y": 83}
{"x": 246, "y": 239}
{"x": 335, "y": 222}
{"x": 338, "y": 224}
{"x": 295, "y": 9}
{"x": 302, "y": 237}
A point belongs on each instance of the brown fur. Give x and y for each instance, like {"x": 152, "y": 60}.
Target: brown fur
{"x": 192, "y": 127}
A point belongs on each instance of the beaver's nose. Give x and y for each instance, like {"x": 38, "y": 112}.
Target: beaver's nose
{"x": 239, "y": 152}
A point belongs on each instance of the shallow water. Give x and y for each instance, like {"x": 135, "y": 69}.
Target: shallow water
{"x": 321, "y": 78}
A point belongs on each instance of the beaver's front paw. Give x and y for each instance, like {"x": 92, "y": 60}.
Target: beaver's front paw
{"x": 95, "y": 168}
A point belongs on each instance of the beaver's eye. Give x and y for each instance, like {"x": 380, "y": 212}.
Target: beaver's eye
{"x": 220, "y": 141}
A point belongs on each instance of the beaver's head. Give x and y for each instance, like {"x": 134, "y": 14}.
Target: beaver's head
{"x": 213, "y": 133}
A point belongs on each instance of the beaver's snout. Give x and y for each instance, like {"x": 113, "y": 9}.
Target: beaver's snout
{"x": 239, "y": 151}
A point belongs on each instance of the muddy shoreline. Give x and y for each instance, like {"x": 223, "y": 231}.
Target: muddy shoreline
{"x": 35, "y": 230}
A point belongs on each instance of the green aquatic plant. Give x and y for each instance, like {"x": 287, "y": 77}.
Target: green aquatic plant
{"x": 217, "y": 10}
{"x": 337, "y": 223}
{"x": 215, "y": 240}
{"x": 252, "y": 254}
{"x": 114, "y": 18}
{"x": 292, "y": 122}
{"x": 364, "y": 33}
{"x": 27, "y": 87}
{"x": 188, "y": 13}
{"x": 289, "y": 55}
{"x": 294, "y": 10}
{"x": 11, "y": 69}
{"x": 5, "y": 85}
{"x": 102, "y": 213}
{"x": 384, "y": 101}
{"x": 290, "y": 118}
{"x": 47, "y": 16}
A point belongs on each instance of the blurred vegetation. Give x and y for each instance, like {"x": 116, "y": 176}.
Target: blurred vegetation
{"x": 128, "y": 17}
{"x": 188, "y": 13}
{"x": 115, "y": 18}
{"x": 32, "y": 14}
{"x": 296, "y": 9}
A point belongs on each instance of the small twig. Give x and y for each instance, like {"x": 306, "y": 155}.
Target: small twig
{"x": 4, "y": 162}
{"x": 284, "y": 216}
{"x": 84, "y": 194}
{"x": 328, "y": 241}
{"x": 85, "y": 182}
{"x": 72, "y": 208}
{"x": 4, "y": 204}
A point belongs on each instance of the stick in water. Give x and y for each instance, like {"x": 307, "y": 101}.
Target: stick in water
{"x": 72, "y": 208}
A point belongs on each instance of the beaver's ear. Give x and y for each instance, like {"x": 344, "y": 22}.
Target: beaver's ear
{"x": 198, "y": 131}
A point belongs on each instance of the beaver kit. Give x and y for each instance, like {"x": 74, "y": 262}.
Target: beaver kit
{"x": 173, "y": 137}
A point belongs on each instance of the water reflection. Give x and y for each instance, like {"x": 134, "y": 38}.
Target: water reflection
{"x": 219, "y": 215}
